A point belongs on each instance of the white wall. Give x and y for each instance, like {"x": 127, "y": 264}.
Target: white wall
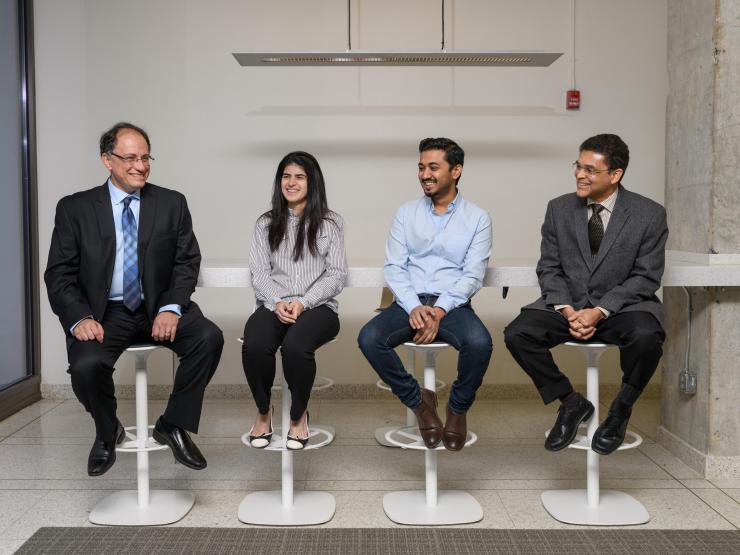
{"x": 218, "y": 129}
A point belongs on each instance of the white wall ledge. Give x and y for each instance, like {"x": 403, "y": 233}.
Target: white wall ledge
{"x": 682, "y": 269}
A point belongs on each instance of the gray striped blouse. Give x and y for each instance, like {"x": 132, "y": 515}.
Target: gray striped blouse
{"x": 313, "y": 280}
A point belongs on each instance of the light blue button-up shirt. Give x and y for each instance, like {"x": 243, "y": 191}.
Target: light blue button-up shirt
{"x": 116, "y": 286}
{"x": 445, "y": 255}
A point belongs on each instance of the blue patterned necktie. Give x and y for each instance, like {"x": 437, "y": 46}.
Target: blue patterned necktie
{"x": 131, "y": 288}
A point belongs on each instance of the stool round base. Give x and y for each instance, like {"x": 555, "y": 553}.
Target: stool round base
{"x": 122, "y": 508}
{"x": 266, "y": 508}
{"x": 615, "y": 508}
{"x": 410, "y": 507}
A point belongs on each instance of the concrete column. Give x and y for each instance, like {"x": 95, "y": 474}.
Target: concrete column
{"x": 703, "y": 203}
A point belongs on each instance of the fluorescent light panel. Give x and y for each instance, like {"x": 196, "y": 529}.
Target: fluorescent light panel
{"x": 475, "y": 58}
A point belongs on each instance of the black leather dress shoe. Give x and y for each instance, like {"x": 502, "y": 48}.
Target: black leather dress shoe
{"x": 179, "y": 442}
{"x": 610, "y": 435}
{"x": 103, "y": 453}
{"x": 570, "y": 415}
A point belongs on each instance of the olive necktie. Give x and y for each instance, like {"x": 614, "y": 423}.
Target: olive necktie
{"x": 595, "y": 229}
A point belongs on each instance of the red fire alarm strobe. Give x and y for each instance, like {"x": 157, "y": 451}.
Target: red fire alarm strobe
{"x": 573, "y": 100}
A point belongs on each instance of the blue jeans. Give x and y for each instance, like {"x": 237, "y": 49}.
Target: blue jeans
{"x": 461, "y": 328}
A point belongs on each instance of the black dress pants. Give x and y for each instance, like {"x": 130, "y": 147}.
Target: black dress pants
{"x": 531, "y": 335}
{"x": 198, "y": 344}
{"x": 264, "y": 334}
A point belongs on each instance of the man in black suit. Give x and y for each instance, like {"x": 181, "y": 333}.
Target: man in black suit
{"x": 602, "y": 259}
{"x": 123, "y": 263}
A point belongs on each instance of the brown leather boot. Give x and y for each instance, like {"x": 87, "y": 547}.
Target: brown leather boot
{"x": 430, "y": 426}
{"x": 456, "y": 430}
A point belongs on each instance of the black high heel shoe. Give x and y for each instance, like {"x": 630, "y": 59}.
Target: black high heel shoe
{"x": 262, "y": 441}
{"x": 298, "y": 443}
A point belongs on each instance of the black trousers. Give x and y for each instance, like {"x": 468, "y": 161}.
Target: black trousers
{"x": 533, "y": 333}
{"x": 198, "y": 344}
{"x": 264, "y": 334}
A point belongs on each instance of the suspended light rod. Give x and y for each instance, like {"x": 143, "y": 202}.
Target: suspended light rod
{"x": 397, "y": 58}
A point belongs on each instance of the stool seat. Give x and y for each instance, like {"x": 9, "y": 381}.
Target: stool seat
{"x": 143, "y": 347}
{"x": 592, "y": 506}
{"x": 142, "y": 507}
{"x": 433, "y": 346}
{"x": 587, "y": 344}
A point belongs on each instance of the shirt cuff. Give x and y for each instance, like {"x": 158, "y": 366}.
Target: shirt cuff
{"x": 604, "y": 311}
{"x": 559, "y": 307}
{"x": 72, "y": 329}
{"x": 176, "y": 308}
{"x": 446, "y": 305}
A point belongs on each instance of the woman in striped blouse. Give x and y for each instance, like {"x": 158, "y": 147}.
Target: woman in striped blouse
{"x": 298, "y": 266}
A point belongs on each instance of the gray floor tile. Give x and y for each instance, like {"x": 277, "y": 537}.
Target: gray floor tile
{"x": 8, "y": 547}
{"x": 721, "y": 502}
{"x": 668, "y": 462}
{"x": 15, "y": 503}
{"x": 25, "y": 416}
{"x": 734, "y": 493}
{"x": 698, "y": 484}
{"x": 57, "y": 508}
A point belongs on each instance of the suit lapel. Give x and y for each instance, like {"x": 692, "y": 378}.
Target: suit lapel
{"x": 147, "y": 212}
{"x": 581, "y": 223}
{"x": 619, "y": 217}
{"x": 107, "y": 231}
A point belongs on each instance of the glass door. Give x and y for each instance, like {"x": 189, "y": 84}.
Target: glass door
{"x": 19, "y": 384}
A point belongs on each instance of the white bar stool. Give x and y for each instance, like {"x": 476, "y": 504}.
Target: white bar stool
{"x": 592, "y": 506}
{"x": 428, "y": 507}
{"x": 142, "y": 507}
{"x": 287, "y": 507}
{"x": 380, "y": 433}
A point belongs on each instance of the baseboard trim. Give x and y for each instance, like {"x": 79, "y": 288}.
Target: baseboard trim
{"x": 712, "y": 467}
{"x": 689, "y": 454}
{"x": 499, "y": 392}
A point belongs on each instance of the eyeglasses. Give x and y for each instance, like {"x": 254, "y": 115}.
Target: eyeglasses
{"x": 131, "y": 160}
{"x": 590, "y": 170}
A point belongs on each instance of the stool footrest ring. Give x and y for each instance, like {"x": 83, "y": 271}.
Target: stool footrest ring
{"x": 132, "y": 443}
{"x": 582, "y": 441}
{"x": 319, "y": 437}
{"x": 408, "y": 437}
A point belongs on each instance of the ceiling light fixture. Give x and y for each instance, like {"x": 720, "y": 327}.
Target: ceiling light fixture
{"x": 441, "y": 57}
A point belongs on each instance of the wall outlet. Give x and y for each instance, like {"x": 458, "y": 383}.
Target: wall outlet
{"x": 687, "y": 382}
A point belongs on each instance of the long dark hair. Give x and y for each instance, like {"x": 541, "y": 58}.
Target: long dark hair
{"x": 315, "y": 212}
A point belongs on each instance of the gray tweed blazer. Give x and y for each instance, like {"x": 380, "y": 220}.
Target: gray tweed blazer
{"x": 628, "y": 268}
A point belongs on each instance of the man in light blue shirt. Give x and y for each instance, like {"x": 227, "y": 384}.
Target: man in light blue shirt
{"x": 435, "y": 260}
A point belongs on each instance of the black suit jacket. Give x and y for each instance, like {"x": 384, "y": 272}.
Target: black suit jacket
{"x": 82, "y": 253}
{"x": 628, "y": 268}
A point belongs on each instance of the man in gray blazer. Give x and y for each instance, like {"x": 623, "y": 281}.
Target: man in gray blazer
{"x": 601, "y": 262}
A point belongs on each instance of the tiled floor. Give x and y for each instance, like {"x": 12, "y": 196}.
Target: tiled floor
{"x": 43, "y": 453}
